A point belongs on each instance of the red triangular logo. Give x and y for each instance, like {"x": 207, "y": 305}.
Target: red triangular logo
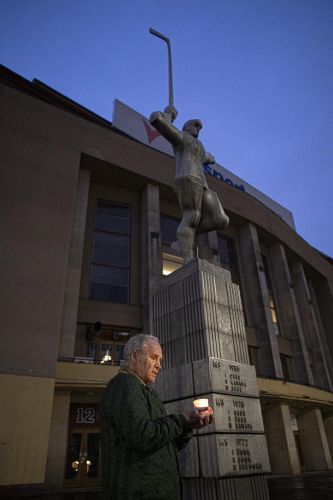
{"x": 151, "y": 132}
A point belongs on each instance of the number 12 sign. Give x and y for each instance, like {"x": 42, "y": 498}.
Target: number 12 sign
{"x": 84, "y": 414}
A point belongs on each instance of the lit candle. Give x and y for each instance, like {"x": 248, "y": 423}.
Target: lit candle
{"x": 201, "y": 404}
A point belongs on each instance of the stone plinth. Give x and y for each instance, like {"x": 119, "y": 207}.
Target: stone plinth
{"x": 198, "y": 318}
{"x": 197, "y": 313}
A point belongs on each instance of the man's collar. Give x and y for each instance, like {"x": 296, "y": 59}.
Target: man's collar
{"x": 129, "y": 371}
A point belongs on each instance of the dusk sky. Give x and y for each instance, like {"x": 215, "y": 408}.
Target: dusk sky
{"x": 258, "y": 73}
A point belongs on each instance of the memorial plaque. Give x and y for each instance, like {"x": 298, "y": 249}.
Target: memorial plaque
{"x": 224, "y": 377}
{"x": 231, "y": 413}
{"x": 232, "y": 454}
{"x": 234, "y": 414}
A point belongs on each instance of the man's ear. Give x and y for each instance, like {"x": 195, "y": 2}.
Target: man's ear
{"x": 134, "y": 357}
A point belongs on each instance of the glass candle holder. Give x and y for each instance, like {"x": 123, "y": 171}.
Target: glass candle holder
{"x": 201, "y": 404}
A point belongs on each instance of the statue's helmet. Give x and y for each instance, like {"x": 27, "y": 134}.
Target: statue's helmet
{"x": 193, "y": 123}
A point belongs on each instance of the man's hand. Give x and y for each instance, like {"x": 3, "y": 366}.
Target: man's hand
{"x": 197, "y": 420}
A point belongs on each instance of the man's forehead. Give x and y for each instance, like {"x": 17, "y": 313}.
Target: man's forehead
{"x": 154, "y": 346}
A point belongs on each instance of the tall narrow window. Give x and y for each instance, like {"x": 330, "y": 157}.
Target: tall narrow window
{"x": 171, "y": 257}
{"x": 286, "y": 363}
{"x": 228, "y": 257}
{"x": 272, "y": 305}
{"x": 110, "y": 267}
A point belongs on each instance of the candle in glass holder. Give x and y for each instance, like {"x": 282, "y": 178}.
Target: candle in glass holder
{"x": 201, "y": 404}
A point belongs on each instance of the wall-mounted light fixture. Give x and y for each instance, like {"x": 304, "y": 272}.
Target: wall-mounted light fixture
{"x": 120, "y": 335}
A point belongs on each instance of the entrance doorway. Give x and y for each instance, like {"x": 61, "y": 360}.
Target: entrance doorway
{"x": 83, "y": 458}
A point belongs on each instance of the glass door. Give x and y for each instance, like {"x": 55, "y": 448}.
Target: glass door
{"x": 83, "y": 458}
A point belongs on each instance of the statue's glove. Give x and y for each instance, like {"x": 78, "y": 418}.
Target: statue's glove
{"x": 209, "y": 159}
{"x": 172, "y": 112}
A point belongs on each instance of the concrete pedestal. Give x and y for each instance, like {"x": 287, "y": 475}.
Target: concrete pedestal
{"x": 198, "y": 318}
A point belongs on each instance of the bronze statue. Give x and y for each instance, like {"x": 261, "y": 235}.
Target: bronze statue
{"x": 201, "y": 209}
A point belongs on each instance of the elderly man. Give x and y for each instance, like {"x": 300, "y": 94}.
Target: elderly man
{"x": 201, "y": 209}
{"x": 139, "y": 440}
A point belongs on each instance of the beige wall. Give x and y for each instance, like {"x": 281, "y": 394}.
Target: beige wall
{"x": 38, "y": 183}
{"x": 25, "y": 418}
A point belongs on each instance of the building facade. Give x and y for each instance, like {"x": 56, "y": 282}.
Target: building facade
{"x": 88, "y": 226}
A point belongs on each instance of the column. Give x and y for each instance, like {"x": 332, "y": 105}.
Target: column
{"x": 74, "y": 268}
{"x": 151, "y": 249}
{"x": 313, "y": 441}
{"x": 328, "y": 423}
{"x": 322, "y": 300}
{"x": 288, "y": 314}
{"x": 311, "y": 328}
{"x": 256, "y": 301}
{"x": 324, "y": 294}
{"x": 58, "y": 440}
{"x": 280, "y": 440}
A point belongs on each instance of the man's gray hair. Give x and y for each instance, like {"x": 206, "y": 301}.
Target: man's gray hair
{"x": 138, "y": 344}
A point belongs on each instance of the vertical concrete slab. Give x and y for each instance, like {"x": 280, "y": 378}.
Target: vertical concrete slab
{"x": 257, "y": 301}
{"x": 324, "y": 294}
{"x": 198, "y": 313}
{"x": 289, "y": 317}
{"x": 73, "y": 274}
{"x": 58, "y": 440}
{"x": 328, "y": 424}
{"x": 280, "y": 439}
{"x": 313, "y": 441}
{"x": 318, "y": 302}
{"x": 311, "y": 328}
{"x": 151, "y": 255}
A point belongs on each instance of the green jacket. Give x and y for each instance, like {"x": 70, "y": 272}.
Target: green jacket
{"x": 139, "y": 442}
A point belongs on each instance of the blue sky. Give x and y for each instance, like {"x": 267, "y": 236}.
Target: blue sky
{"x": 258, "y": 73}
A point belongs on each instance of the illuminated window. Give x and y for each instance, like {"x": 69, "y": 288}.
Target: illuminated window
{"x": 110, "y": 268}
{"x": 106, "y": 345}
{"x": 272, "y": 305}
{"x": 171, "y": 257}
{"x": 106, "y": 352}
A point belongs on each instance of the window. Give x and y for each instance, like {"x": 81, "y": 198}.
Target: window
{"x": 106, "y": 352}
{"x": 171, "y": 258}
{"x": 272, "y": 305}
{"x": 228, "y": 257}
{"x": 286, "y": 363}
{"x": 110, "y": 267}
